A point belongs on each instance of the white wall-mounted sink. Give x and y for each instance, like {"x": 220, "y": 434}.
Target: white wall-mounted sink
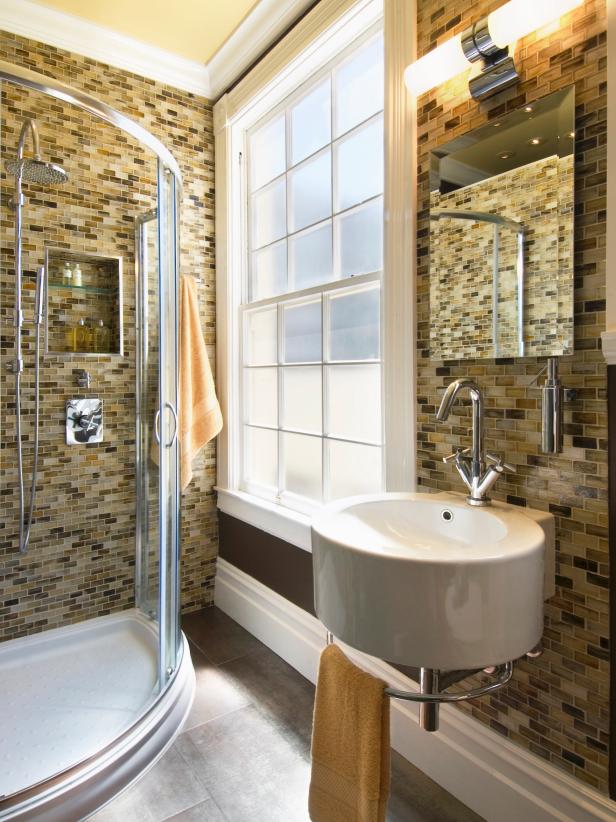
{"x": 429, "y": 581}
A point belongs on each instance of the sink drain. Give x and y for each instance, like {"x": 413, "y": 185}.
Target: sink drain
{"x": 447, "y": 515}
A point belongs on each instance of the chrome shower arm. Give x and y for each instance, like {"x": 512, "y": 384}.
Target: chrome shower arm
{"x": 29, "y": 126}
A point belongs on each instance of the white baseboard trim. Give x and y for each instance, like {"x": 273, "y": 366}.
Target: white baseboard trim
{"x": 498, "y": 780}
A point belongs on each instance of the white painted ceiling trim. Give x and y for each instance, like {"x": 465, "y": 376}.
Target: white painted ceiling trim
{"x": 262, "y": 26}
{"x": 66, "y": 31}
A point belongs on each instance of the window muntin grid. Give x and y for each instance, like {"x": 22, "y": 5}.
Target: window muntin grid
{"x": 311, "y": 419}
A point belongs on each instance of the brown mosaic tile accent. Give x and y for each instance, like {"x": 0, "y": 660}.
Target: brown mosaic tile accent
{"x": 539, "y": 196}
{"x": 82, "y": 556}
{"x": 556, "y": 706}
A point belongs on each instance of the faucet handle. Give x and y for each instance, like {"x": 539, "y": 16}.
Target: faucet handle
{"x": 499, "y": 464}
{"x": 459, "y": 452}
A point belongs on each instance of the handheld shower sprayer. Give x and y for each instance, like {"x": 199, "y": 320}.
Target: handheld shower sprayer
{"x": 31, "y": 170}
{"x": 40, "y": 295}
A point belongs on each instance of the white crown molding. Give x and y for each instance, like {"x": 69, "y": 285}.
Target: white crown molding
{"x": 71, "y": 33}
{"x": 263, "y": 25}
{"x": 259, "y": 29}
{"x": 492, "y": 776}
{"x": 608, "y": 346}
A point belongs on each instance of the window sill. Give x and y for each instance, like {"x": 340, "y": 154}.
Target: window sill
{"x": 290, "y": 526}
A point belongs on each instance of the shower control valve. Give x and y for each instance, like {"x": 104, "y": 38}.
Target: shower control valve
{"x": 83, "y": 378}
{"x": 15, "y": 366}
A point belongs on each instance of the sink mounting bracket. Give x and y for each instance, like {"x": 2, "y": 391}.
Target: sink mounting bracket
{"x": 429, "y": 700}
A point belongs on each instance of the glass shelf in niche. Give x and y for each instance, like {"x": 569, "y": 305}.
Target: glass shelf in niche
{"x": 83, "y": 311}
{"x": 90, "y": 289}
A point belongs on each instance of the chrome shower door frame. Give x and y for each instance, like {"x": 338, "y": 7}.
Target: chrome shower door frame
{"x": 143, "y": 432}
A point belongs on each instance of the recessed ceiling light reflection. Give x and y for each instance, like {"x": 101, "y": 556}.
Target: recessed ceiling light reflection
{"x": 506, "y": 155}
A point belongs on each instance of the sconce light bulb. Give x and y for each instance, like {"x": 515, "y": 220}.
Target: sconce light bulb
{"x": 518, "y": 18}
{"x": 436, "y": 67}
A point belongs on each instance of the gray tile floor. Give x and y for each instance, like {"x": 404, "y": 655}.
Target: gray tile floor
{"x": 244, "y": 753}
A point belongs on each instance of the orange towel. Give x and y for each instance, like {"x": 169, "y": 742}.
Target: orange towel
{"x": 200, "y": 415}
{"x": 350, "y": 744}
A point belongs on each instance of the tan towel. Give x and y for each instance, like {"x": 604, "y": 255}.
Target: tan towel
{"x": 200, "y": 415}
{"x": 350, "y": 744}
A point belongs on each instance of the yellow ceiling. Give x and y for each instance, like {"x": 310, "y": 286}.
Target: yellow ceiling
{"x": 194, "y": 29}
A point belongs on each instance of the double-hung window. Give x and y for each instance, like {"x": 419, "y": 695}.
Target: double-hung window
{"x": 310, "y": 315}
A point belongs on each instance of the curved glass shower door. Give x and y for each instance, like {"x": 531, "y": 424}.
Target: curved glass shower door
{"x": 157, "y": 583}
{"x": 90, "y": 646}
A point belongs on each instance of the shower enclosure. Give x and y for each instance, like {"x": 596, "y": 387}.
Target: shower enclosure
{"x": 95, "y": 675}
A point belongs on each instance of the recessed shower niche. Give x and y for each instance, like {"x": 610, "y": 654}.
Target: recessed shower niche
{"x": 84, "y": 303}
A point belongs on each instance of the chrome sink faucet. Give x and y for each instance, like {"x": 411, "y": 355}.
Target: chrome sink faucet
{"x": 471, "y": 462}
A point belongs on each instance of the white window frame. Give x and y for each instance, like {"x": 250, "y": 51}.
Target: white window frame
{"x": 322, "y": 34}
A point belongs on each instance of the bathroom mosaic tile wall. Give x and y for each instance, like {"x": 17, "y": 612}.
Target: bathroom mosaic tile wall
{"x": 539, "y": 196}
{"x": 82, "y": 554}
{"x": 557, "y": 705}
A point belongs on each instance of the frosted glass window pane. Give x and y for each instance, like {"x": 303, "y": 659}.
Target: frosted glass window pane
{"x": 302, "y": 465}
{"x": 355, "y": 326}
{"x": 260, "y": 343}
{"x": 267, "y": 152}
{"x": 311, "y": 257}
{"x": 359, "y": 85}
{"x": 268, "y": 214}
{"x": 311, "y": 123}
{"x": 359, "y": 236}
{"x": 359, "y": 165}
{"x": 261, "y": 385}
{"x": 269, "y": 271}
{"x": 261, "y": 457}
{"x": 302, "y": 332}
{"x": 353, "y": 469}
{"x": 354, "y": 402}
{"x": 310, "y": 192}
{"x": 301, "y": 399}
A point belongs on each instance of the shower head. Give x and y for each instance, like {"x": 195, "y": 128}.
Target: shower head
{"x": 37, "y": 171}
{"x": 33, "y": 169}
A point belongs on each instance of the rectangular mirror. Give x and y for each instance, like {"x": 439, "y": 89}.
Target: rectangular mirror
{"x": 501, "y": 236}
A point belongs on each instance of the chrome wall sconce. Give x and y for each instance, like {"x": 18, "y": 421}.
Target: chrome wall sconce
{"x": 485, "y": 45}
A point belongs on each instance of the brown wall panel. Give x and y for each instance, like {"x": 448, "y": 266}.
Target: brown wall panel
{"x": 284, "y": 568}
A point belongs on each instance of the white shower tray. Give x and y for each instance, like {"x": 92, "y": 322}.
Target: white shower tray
{"x": 74, "y": 702}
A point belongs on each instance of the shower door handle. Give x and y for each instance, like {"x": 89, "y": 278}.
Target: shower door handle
{"x": 175, "y": 425}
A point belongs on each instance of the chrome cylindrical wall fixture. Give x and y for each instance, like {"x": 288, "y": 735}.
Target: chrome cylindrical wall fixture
{"x": 486, "y": 43}
{"x": 552, "y": 410}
